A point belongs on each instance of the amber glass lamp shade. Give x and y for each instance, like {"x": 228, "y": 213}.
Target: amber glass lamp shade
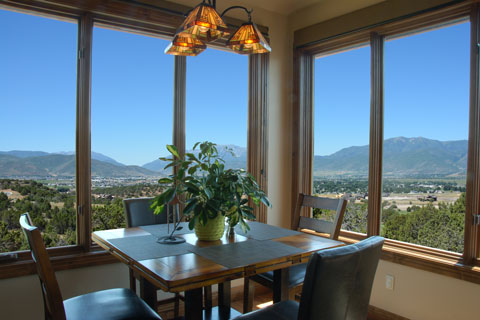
{"x": 185, "y": 45}
{"x": 248, "y": 39}
{"x": 204, "y": 23}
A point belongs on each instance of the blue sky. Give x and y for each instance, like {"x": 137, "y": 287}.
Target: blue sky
{"x": 426, "y": 91}
{"x": 132, "y": 91}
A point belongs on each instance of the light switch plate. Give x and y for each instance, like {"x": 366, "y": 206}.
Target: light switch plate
{"x": 389, "y": 282}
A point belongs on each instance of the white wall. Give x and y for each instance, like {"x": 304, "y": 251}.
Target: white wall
{"x": 21, "y": 298}
{"x": 424, "y": 295}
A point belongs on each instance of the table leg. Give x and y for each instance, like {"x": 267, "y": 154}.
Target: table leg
{"x": 193, "y": 304}
{"x": 224, "y": 293}
{"x": 248, "y": 294}
{"x": 280, "y": 285}
{"x": 148, "y": 292}
{"x": 207, "y": 297}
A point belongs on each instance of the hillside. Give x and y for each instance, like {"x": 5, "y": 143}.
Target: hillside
{"x": 52, "y": 165}
{"x": 237, "y": 161}
{"x": 403, "y": 157}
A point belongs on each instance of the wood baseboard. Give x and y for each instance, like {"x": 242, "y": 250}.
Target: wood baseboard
{"x": 375, "y": 313}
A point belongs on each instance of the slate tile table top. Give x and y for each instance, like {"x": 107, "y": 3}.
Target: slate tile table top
{"x": 194, "y": 264}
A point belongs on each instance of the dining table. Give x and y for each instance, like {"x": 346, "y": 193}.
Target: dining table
{"x": 191, "y": 265}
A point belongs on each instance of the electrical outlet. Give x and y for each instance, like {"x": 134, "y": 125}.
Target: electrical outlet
{"x": 389, "y": 282}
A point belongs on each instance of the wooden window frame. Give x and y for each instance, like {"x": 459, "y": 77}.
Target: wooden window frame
{"x": 464, "y": 266}
{"x": 159, "y": 20}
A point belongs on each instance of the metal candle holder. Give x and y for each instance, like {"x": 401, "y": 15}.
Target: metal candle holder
{"x": 171, "y": 239}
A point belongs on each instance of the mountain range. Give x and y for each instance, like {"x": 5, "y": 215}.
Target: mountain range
{"x": 238, "y": 160}
{"x": 43, "y": 164}
{"x": 403, "y": 157}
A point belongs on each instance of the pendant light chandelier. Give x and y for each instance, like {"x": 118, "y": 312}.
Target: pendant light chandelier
{"x": 204, "y": 24}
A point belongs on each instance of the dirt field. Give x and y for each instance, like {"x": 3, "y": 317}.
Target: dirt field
{"x": 12, "y": 195}
{"x": 403, "y": 201}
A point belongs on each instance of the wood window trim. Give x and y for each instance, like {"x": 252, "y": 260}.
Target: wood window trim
{"x": 64, "y": 258}
{"x": 464, "y": 267}
{"x": 257, "y": 136}
{"x": 302, "y": 126}
{"x": 472, "y": 232}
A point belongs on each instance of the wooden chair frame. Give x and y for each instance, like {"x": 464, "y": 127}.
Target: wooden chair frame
{"x": 52, "y": 297}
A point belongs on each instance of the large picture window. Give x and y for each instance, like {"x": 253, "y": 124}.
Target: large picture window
{"x": 426, "y": 133}
{"x": 217, "y": 100}
{"x": 423, "y": 172}
{"x": 76, "y": 83}
{"x": 341, "y": 128}
{"x": 132, "y": 120}
{"x": 37, "y": 128}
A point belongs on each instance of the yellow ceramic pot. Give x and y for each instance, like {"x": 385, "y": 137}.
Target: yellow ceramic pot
{"x": 212, "y": 231}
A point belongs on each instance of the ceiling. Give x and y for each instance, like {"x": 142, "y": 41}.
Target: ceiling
{"x": 284, "y": 7}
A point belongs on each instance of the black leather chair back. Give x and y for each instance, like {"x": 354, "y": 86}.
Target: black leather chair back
{"x": 139, "y": 213}
{"x": 338, "y": 282}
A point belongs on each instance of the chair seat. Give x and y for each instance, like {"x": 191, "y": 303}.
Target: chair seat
{"x": 112, "y": 304}
{"x": 296, "y": 274}
{"x": 285, "y": 310}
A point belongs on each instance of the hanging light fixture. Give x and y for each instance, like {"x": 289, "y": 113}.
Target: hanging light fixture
{"x": 248, "y": 39}
{"x": 203, "y": 23}
{"x": 185, "y": 45}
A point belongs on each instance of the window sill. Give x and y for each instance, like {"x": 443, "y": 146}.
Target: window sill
{"x": 61, "y": 258}
{"x": 442, "y": 262}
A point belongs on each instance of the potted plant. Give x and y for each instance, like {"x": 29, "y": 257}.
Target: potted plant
{"x": 210, "y": 192}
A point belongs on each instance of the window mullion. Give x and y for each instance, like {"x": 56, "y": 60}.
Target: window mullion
{"x": 376, "y": 136}
{"x": 179, "y": 105}
{"x": 83, "y": 131}
{"x": 258, "y": 125}
{"x": 472, "y": 234}
{"x": 302, "y": 142}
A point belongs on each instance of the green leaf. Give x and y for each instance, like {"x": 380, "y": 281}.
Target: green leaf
{"x": 266, "y": 201}
{"x": 203, "y": 219}
{"x": 208, "y": 192}
{"x": 173, "y": 150}
{"x": 192, "y": 186}
{"x": 191, "y": 224}
{"x": 158, "y": 209}
{"x": 192, "y": 170}
{"x": 171, "y": 164}
{"x": 190, "y": 206}
{"x": 212, "y": 214}
{"x": 165, "y": 181}
{"x": 169, "y": 194}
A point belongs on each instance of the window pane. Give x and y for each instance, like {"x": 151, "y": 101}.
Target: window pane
{"x": 341, "y": 132}
{"x": 132, "y": 119}
{"x": 426, "y": 132}
{"x": 217, "y": 101}
{"x": 37, "y": 126}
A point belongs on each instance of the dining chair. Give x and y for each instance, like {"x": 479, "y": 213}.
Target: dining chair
{"x": 337, "y": 286}
{"x": 111, "y": 304}
{"x": 296, "y": 273}
{"x": 138, "y": 213}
